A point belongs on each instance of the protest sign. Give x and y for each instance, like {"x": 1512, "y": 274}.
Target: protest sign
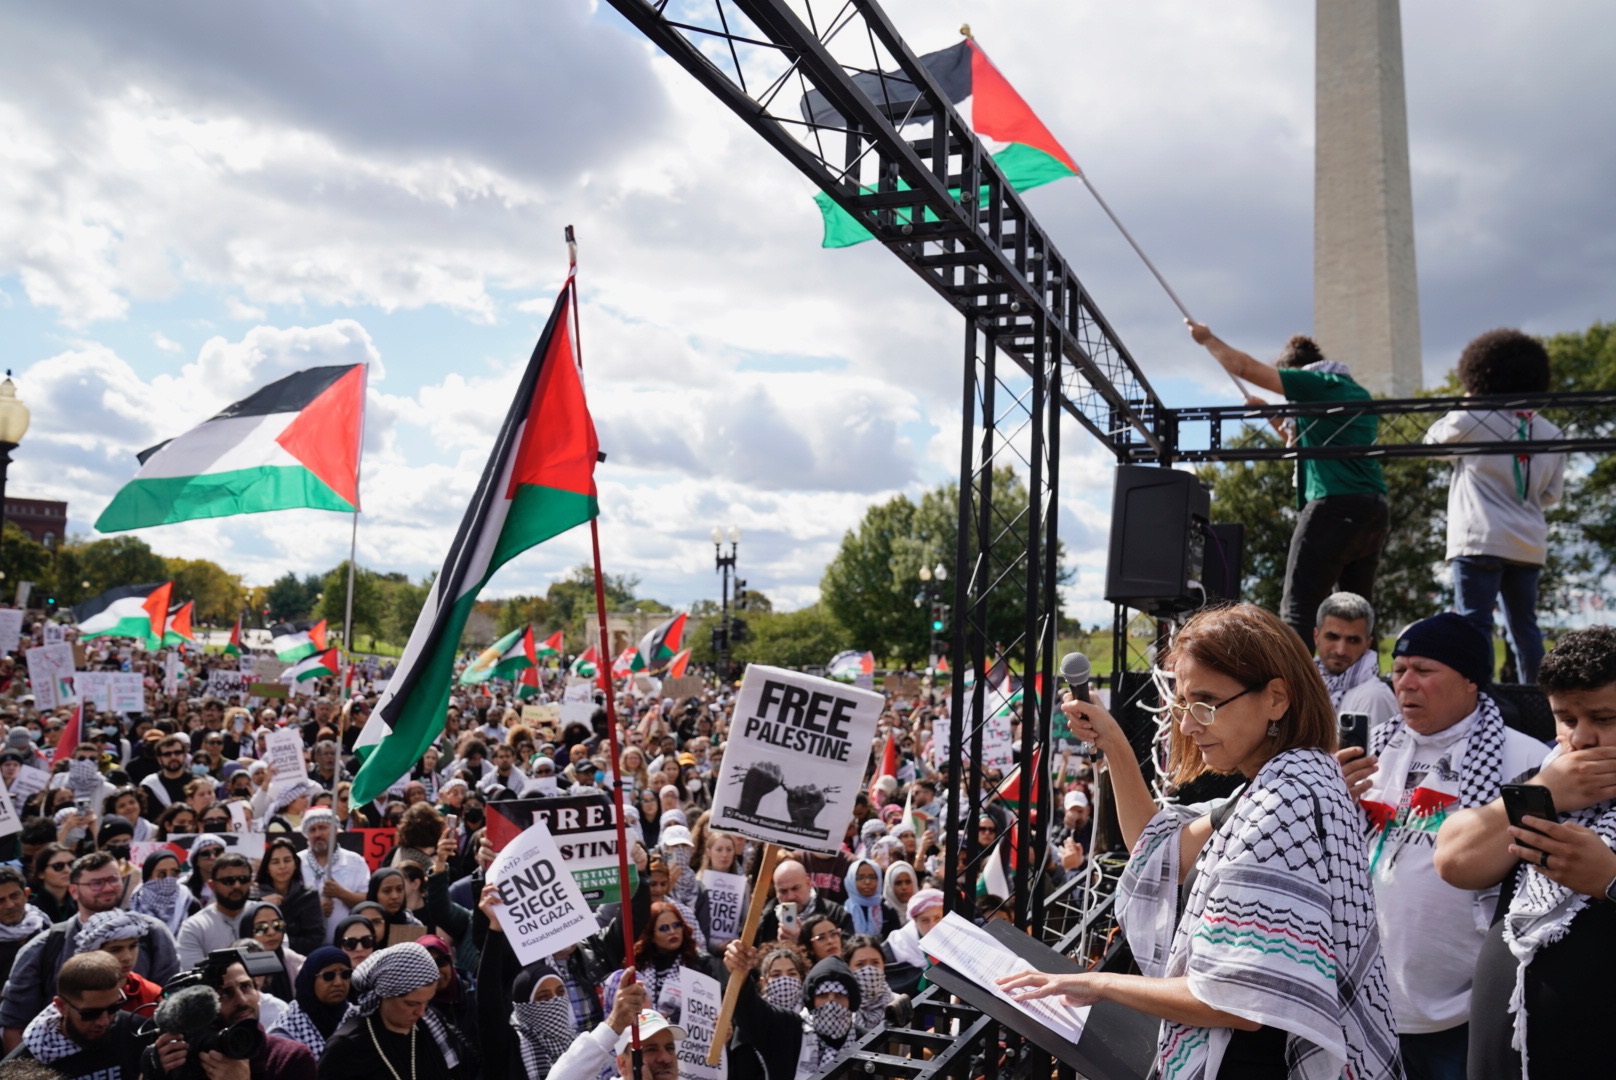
{"x": 791, "y": 724}
{"x": 249, "y": 844}
{"x": 543, "y": 909}
{"x": 579, "y": 690}
{"x": 172, "y": 669}
{"x": 283, "y": 750}
{"x": 685, "y": 686}
{"x": 55, "y": 633}
{"x": 28, "y": 780}
{"x": 941, "y": 733}
{"x": 9, "y": 822}
{"x": 374, "y": 844}
{"x": 126, "y": 693}
{"x": 725, "y": 896}
{"x": 903, "y": 685}
{"x": 24, "y": 590}
{"x": 266, "y": 690}
{"x": 576, "y": 712}
{"x": 697, "y": 1012}
{"x": 998, "y": 747}
{"x": 10, "y": 629}
{"x": 94, "y": 688}
{"x": 542, "y": 714}
{"x": 224, "y": 683}
{"x": 267, "y": 668}
{"x": 50, "y": 673}
{"x": 584, "y": 830}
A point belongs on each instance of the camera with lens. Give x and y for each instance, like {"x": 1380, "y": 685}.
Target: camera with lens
{"x": 190, "y": 1008}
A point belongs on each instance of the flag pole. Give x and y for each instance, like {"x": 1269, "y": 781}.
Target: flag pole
{"x": 603, "y": 676}
{"x": 353, "y": 548}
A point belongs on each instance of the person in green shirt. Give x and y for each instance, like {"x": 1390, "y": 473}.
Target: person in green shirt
{"x": 1343, "y": 523}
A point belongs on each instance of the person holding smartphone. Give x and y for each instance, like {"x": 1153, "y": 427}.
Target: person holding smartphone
{"x": 1550, "y": 953}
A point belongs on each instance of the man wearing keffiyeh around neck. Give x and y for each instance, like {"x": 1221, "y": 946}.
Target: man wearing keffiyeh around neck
{"x": 1344, "y": 641}
{"x": 1447, "y": 750}
{"x": 83, "y": 1032}
{"x": 1544, "y": 996}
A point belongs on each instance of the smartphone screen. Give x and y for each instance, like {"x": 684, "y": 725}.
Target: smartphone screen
{"x": 1523, "y": 800}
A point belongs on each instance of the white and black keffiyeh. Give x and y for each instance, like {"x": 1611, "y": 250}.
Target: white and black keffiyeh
{"x": 1279, "y": 926}
{"x": 1542, "y": 910}
{"x": 783, "y": 992}
{"x": 874, "y": 997}
{"x": 1479, "y": 766}
{"x": 293, "y": 792}
{"x": 829, "y": 1025}
{"x": 84, "y": 778}
{"x": 33, "y": 921}
{"x": 44, "y": 1039}
{"x": 297, "y": 1025}
{"x": 393, "y": 972}
{"x": 1367, "y": 668}
{"x": 105, "y": 926}
{"x": 544, "y": 1030}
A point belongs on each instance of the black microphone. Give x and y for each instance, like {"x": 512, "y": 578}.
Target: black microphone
{"x": 1075, "y": 670}
{"x": 188, "y": 1011}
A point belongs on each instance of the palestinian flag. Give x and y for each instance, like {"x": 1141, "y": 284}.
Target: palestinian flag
{"x": 550, "y": 646}
{"x": 888, "y": 767}
{"x": 69, "y": 740}
{"x": 318, "y": 666}
{"x": 623, "y": 666}
{"x": 587, "y": 666}
{"x": 538, "y": 483}
{"x": 132, "y": 611}
{"x": 527, "y": 684}
{"x": 293, "y": 641}
{"x": 179, "y": 630}
{"x": 1023, "y": 148}
{"x": 293, "y": 443}
{"x": 233, "y": 646}
{"x": 676, "y": 666}
{"x": 503, "y": 659}
{"x": 658, "y": 647}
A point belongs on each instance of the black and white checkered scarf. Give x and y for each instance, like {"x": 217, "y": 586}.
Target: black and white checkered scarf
{"x": 44, "y": 1039}
{"x": 1367, "y": 668}
{"x": 299, "y": 1026}
{"x": 1479, "y": 764}
{"x": 544, "y": 1029}
{"x": 1542, "y": 911}
{"x": 33, "y": 921}
{"x": 393, "y": 972}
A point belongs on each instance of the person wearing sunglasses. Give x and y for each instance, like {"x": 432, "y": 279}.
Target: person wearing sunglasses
{"x": 265, "y": 926}
{"x": 1299, "y": 989}
{"x": 216, "y": 925}
{"x": 48, "y": 888}
{"x": 356, "y": 937}
{"x": 319, "y": 1000}
{"x": 85, "y": 1030}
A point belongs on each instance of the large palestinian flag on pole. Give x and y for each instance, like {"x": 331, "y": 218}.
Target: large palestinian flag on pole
{"x": 293, "y": 443}
{"x": 503, "y": 659}
{"x": 1021, "y": 145}
{"x": 659, "y": 646}
{"x": 233, "y": 646}
{"x": 178, "y": 631}
{"x": 538, "y": 483}
{"x": 317, "y": 666}
{"x": 133, "y": 611}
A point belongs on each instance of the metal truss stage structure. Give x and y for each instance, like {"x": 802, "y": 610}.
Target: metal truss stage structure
{"x": 883, "y": 141}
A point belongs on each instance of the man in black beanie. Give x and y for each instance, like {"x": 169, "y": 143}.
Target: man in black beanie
{"x": 1446, "y": 750}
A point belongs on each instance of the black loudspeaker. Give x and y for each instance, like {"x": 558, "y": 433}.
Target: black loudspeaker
{"x": 1158, "y": 540}
{"x": 1225, "y": 561}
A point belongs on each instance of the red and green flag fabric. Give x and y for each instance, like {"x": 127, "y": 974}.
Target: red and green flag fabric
{"x": 623, "y": 666}
{"x": 233, "y": 646}
{"x": 318, "y": 666}
{"x": 72, "y": 731}
{"x": 658, "y": 646}
{"x": 676, "y": 666}
{"x": 293, "y": 641}
{"x": 550, "y": 646}
{"x": 178, "y": 631}
{"x": 293, "y": 443}
{"x": 1021, "y": 145}
{"x": 538, "y": 483}
{"x": 527, "y": 684}
{"x": 587, "y": 666}
{"x": 132, "y": 611}
{"x": 503, "y": 659}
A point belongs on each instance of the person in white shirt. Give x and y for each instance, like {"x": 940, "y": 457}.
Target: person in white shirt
{"x": 338, "y": 875}
{"x": 1448, "y": 749}
{"x": 1497, "y": 534}
{"x": 1344, "y": 641}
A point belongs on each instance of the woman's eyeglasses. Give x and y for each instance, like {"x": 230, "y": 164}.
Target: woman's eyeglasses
{"x": 68, "y": 865}
{"x": 340, "y": 973}
{"x": 1204, "y": 712}
{"x": 267, "y": 928}
{"x": 826, "y": 935}
{"x": 351, "y": 943}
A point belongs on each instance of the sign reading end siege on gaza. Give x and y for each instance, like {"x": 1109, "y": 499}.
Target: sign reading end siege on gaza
{"x": 541, "y": 908}
{"x": 795, "y": 759}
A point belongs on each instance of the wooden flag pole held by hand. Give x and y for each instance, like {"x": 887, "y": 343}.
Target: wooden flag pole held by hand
{"x": 754, "y": 915}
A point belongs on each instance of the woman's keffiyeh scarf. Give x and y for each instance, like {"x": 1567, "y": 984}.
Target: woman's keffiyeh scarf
{"x": 1367, "y": 668}
{"x": 44, "y": 1039}
{"x": 393, "y": 972}
{"x": 1279, "y": 926}
{"x": 544, "y": 1030}
{"x": 33, "y": 922}
{"x": 874, "y": 997}
{"x": 162, "y": 899}
{"x": 297, "y": 1025}
{"x": 1542, "y": 911}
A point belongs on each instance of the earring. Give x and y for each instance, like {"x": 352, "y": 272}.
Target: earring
{"x": 1273, "y": 729}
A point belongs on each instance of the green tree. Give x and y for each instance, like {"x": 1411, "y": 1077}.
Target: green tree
{"x": 24, "y": 559}
{"x": 218, "y": 593}
{"x": 789, "y": 639}
{"x": 291, "y": 598}
{"x": 1582, "y": 529}
{"x": 369, "y": 601}
{"x": 107, "y": 564}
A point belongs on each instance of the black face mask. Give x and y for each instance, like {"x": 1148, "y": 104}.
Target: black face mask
{"x": 216, "y": 826}
{"x": 119, "y": 851}
{"x": 473, "y": 816}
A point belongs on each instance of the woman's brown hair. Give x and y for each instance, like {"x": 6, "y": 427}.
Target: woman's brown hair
{"x": 1253, "y": 646}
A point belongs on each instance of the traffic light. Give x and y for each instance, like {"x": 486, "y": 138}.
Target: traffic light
{"x": 939, "y": 616}
{"x": 738, "y": 631}
{"x": 718, "y": 639}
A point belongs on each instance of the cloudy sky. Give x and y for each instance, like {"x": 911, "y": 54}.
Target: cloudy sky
{"x": 197, "y": 197}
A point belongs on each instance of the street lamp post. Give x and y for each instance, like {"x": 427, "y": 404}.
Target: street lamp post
{"x": 725, "y": 565}
{"x": 937, "y": 612}
{"x": 13, "y": 426}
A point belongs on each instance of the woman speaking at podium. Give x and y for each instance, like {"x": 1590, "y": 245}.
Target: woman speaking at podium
{"x": 1251, "y": 918}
